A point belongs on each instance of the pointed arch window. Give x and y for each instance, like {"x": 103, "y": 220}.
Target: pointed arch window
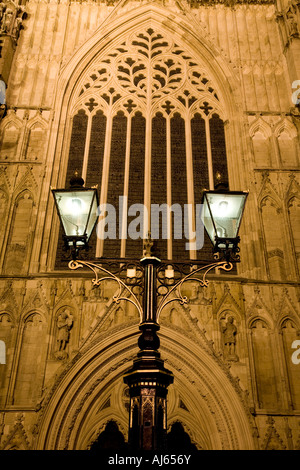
{"x": 148, "y": 126}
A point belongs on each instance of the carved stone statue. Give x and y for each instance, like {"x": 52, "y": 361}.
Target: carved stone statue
{"x": 197, "y": 295}
{"x": 17, "y": 28}
{"x": 11, "y": 20}
{"x": 7, "y": 20}
{"x": 292, "y": 25}
{"x": 229, "y": 340}
{"x": 64, "y": 325}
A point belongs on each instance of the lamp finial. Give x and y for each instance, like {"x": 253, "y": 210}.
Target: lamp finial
{"x": 221, "y": 184}
{"x": 76, "y": 181}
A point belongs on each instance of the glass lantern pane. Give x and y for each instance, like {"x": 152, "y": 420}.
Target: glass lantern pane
{"x": 207, "y": 221}
{"x": 93, "y": 216}
{"x": 74, "y": 211}
{"x": 226, "y": 211}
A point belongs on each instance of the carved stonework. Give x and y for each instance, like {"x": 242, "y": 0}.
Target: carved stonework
{"x": 64, "y": 324}
{"x": 11, "y": 19}
{"x": 289, "y": 22}
{"x": 272, "y": 440}
{"x": 229, "y": 331}
{"x": 135, "y": 86}
{"x": 17, "y": 438}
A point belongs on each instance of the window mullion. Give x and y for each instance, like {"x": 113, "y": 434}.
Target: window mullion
{"x": 209, "y": 154}
{"x": 147, "y": 188}
{"x": 169, "y": 187}
{"x": 190, "y": 184}
{"x": 87, "y": 147}
{"x": 105, "y": 176}
{"x": 123, "y": 216}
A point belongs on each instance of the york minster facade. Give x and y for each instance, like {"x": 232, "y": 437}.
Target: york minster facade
{"x": 152, "y": 101}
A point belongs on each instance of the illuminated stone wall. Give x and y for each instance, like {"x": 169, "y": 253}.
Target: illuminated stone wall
{"x": 68, "y": 345}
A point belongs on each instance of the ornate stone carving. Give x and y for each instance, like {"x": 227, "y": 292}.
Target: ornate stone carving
{"x": 11, "y": 19}
{"x": 17, "y": 438}
{"x": 288, "y": 21}
{"x": 64, "y": 324}
{"x": 229, "y": 331}
{"x": 272, "y": 440}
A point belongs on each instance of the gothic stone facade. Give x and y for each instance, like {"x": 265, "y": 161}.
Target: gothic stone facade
{"x": 98, "y": 78}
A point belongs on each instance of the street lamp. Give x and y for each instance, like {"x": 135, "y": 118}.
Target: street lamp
{"x": 221, "y": 216}
{"x": 158, "y": 283}
{"x": 77, "y": 208}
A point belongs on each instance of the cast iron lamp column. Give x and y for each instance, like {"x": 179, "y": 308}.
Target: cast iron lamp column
{"x": 148, "y": 379}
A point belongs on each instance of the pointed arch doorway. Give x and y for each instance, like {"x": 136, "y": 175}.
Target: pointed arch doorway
{"x": 91, "y": 393}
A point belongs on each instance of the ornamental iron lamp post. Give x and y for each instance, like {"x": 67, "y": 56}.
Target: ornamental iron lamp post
{"x": 148, "y": 379}
{"x": 158, "y": 283}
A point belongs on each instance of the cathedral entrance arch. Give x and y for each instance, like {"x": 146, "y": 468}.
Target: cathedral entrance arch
{"x": 90, "y": 393}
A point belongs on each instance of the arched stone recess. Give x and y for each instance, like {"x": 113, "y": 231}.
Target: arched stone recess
{"x": 190, "y": 37}
{"x": 7, "y": 335}
{"x": 20, "y": 233}
{"x": 265, "y": 387}
{"x": 35, "y": 138}
{"x": 293, "y": 209}
{"x": 26, "y": 382}
{"x": 11, "y": 133}
{"x": 271, "y": 213}
{"x": 90, "y": 392}
{"x": 261, "y": 133}
{"x": 287, "y": 141}
{"x": 289, "y": 332}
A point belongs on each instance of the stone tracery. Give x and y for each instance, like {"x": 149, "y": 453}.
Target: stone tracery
{"x": 159, "y": 111}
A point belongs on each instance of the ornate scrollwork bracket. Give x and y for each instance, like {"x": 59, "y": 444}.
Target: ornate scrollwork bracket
{"x": 176, "y": 288}
{"x": 134, "y": 286}
{"x": 227, "y": 249}
{"x": 109, "y": 275}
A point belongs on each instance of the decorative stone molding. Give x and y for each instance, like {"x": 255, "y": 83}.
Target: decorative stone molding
{"x": 12, "y": 16}
{"x": 229, "y": 3}
{"x": 272, "y": 440}
{"x": 17, "y": 438}
{"x": 288, "y": 20}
